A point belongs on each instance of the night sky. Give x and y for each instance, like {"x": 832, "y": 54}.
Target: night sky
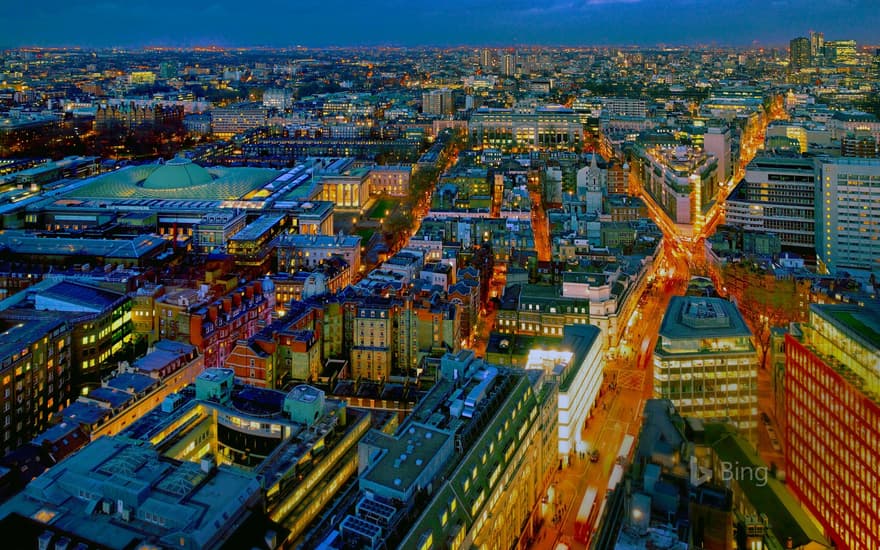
{"x": 318, "y": 23}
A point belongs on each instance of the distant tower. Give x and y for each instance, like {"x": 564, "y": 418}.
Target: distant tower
{"x": 799, "y": 53}
{"x": 486, "y": 58}
{"x": 509, "y": 66}
{"x": 817, "y": 47}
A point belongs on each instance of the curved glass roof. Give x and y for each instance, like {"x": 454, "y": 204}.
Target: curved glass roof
{"x": 175, "y": 181}
{"x": 177, "y": 173}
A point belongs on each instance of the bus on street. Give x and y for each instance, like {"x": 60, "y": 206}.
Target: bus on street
{"x": 587, "y": 513}
{"x": 626, "y": 449}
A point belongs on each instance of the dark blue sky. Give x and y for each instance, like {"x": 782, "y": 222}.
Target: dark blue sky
{"x": 101, "y": 23}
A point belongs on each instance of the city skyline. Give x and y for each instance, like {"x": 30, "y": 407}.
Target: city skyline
{"x": 302, "y": 275}
{"x": 467, "y": 23}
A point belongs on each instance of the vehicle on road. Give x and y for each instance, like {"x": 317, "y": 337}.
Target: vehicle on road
{"x": 625, "y": 450}
{"x": 616, "y": 477}
{"x": 645, "y": 354}
{"x": 587, "y": 513}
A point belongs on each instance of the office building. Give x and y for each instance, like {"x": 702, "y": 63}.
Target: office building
{"x": 777, "y": 195}
{"x": 832, "y": 441}
{"x": 525, "y": 129}
{"x": 540, "y": 310}
{"x": 701, "y": 485}
{"x": 817, "y": 47}
{"x": 841, "y": 52}
{"x": 250, "y": 470}
{"x": 578, "y": 370}
{"x": 467, "y": 468}
{"x": 682, "y": 180}
{"x": 253, "y": 246}
{"x": 36, "y": 375}
{"x": 848, "y": 216}
{"x": 843, "y": 123}
{"x": 99, "y": 318}
{"x": 799, "y": 53}
{"x": 119, "y": 493}
{"x": 238, "y": 118}
{"x": 705, "y": 363}
{"x": 438, "y": 102}
{"x": 859, "y": 144}
{"x": 717, "y": 142}
{"x": 624, "y": 107}
{"x": 215, "y": 229}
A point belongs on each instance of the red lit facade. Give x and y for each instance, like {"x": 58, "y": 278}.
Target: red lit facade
{"x": 832, "y": 446}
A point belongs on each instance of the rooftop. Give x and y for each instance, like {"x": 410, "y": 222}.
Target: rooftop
{"x": 180, "y": 499}
{"x": 18, "y": 336}
{"x": 21, "y": 242}
{"x": 784, "y": 514}
{"x": 861, "y": 323}
{"x": 690, "y": 317}
{"x": 405, "y": 456}
{"x": 67, "y": 295}
{"x": 177, "y": 179}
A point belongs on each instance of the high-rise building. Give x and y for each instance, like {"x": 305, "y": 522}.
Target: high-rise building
{"x": 841, "y": 52}
{"x": 777, "y": 195}
{"x": 848, "y": 215}
{"x": 508, "y": 67}
{"x": 817, "y": 47}
{"x": 486, "y": 58}
{"x": 799, "y": 53}
{"x": 705, "y": 362}
{"x": 832, "y": 402}
{"x": 438, "y": 102}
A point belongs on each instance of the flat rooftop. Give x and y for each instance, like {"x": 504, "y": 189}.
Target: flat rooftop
{"x": 407, "y": 454}
{"x": 689, "y": 317}
{"x": 860, "y": 323}
{"x": 182, "y": 500}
